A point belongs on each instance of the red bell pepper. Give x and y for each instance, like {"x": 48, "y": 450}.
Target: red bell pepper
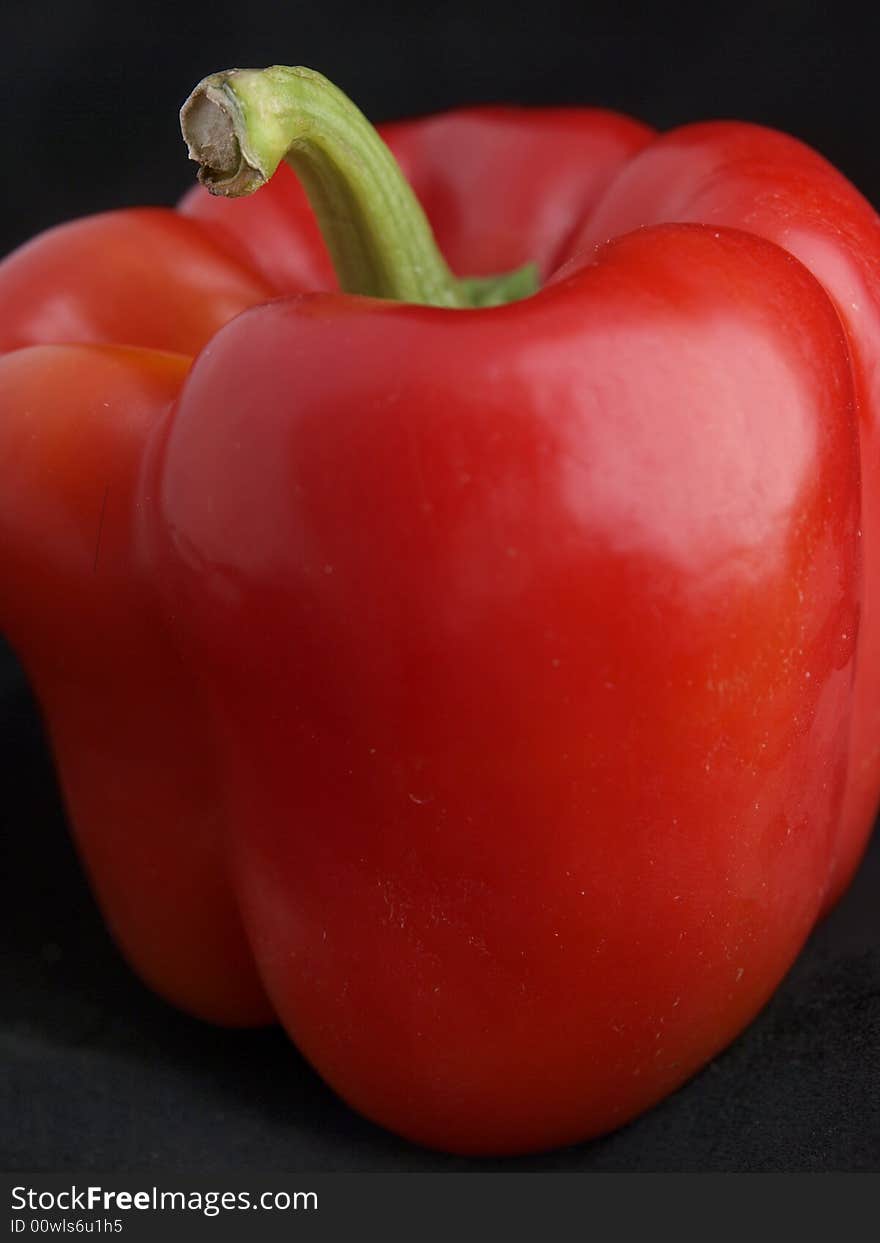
{"x": 496, "y": 651}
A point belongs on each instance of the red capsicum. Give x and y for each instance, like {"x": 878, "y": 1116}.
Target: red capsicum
{"x": 472, "y": 657}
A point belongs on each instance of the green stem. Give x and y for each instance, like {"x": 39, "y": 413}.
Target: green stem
{"x": 240, "y": 124}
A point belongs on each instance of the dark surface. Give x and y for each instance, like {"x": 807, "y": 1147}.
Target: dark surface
{"x": 94, "y": 1071}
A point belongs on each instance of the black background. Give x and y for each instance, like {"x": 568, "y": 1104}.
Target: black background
{"x": 97, "y": 1073}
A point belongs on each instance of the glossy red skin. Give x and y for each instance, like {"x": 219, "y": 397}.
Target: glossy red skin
{"x": 774, "y": 186}
{"x": 533, "y": 674}
{"x": 718, "y": 173}
{"x": 134, "y": 758}
{"x": 151, "y": 277}
{"x": 474, "y": 916}
{"x": 133, "y": 754}
{"x": 145, "y": 276}
{"x": 126, "y": 729}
